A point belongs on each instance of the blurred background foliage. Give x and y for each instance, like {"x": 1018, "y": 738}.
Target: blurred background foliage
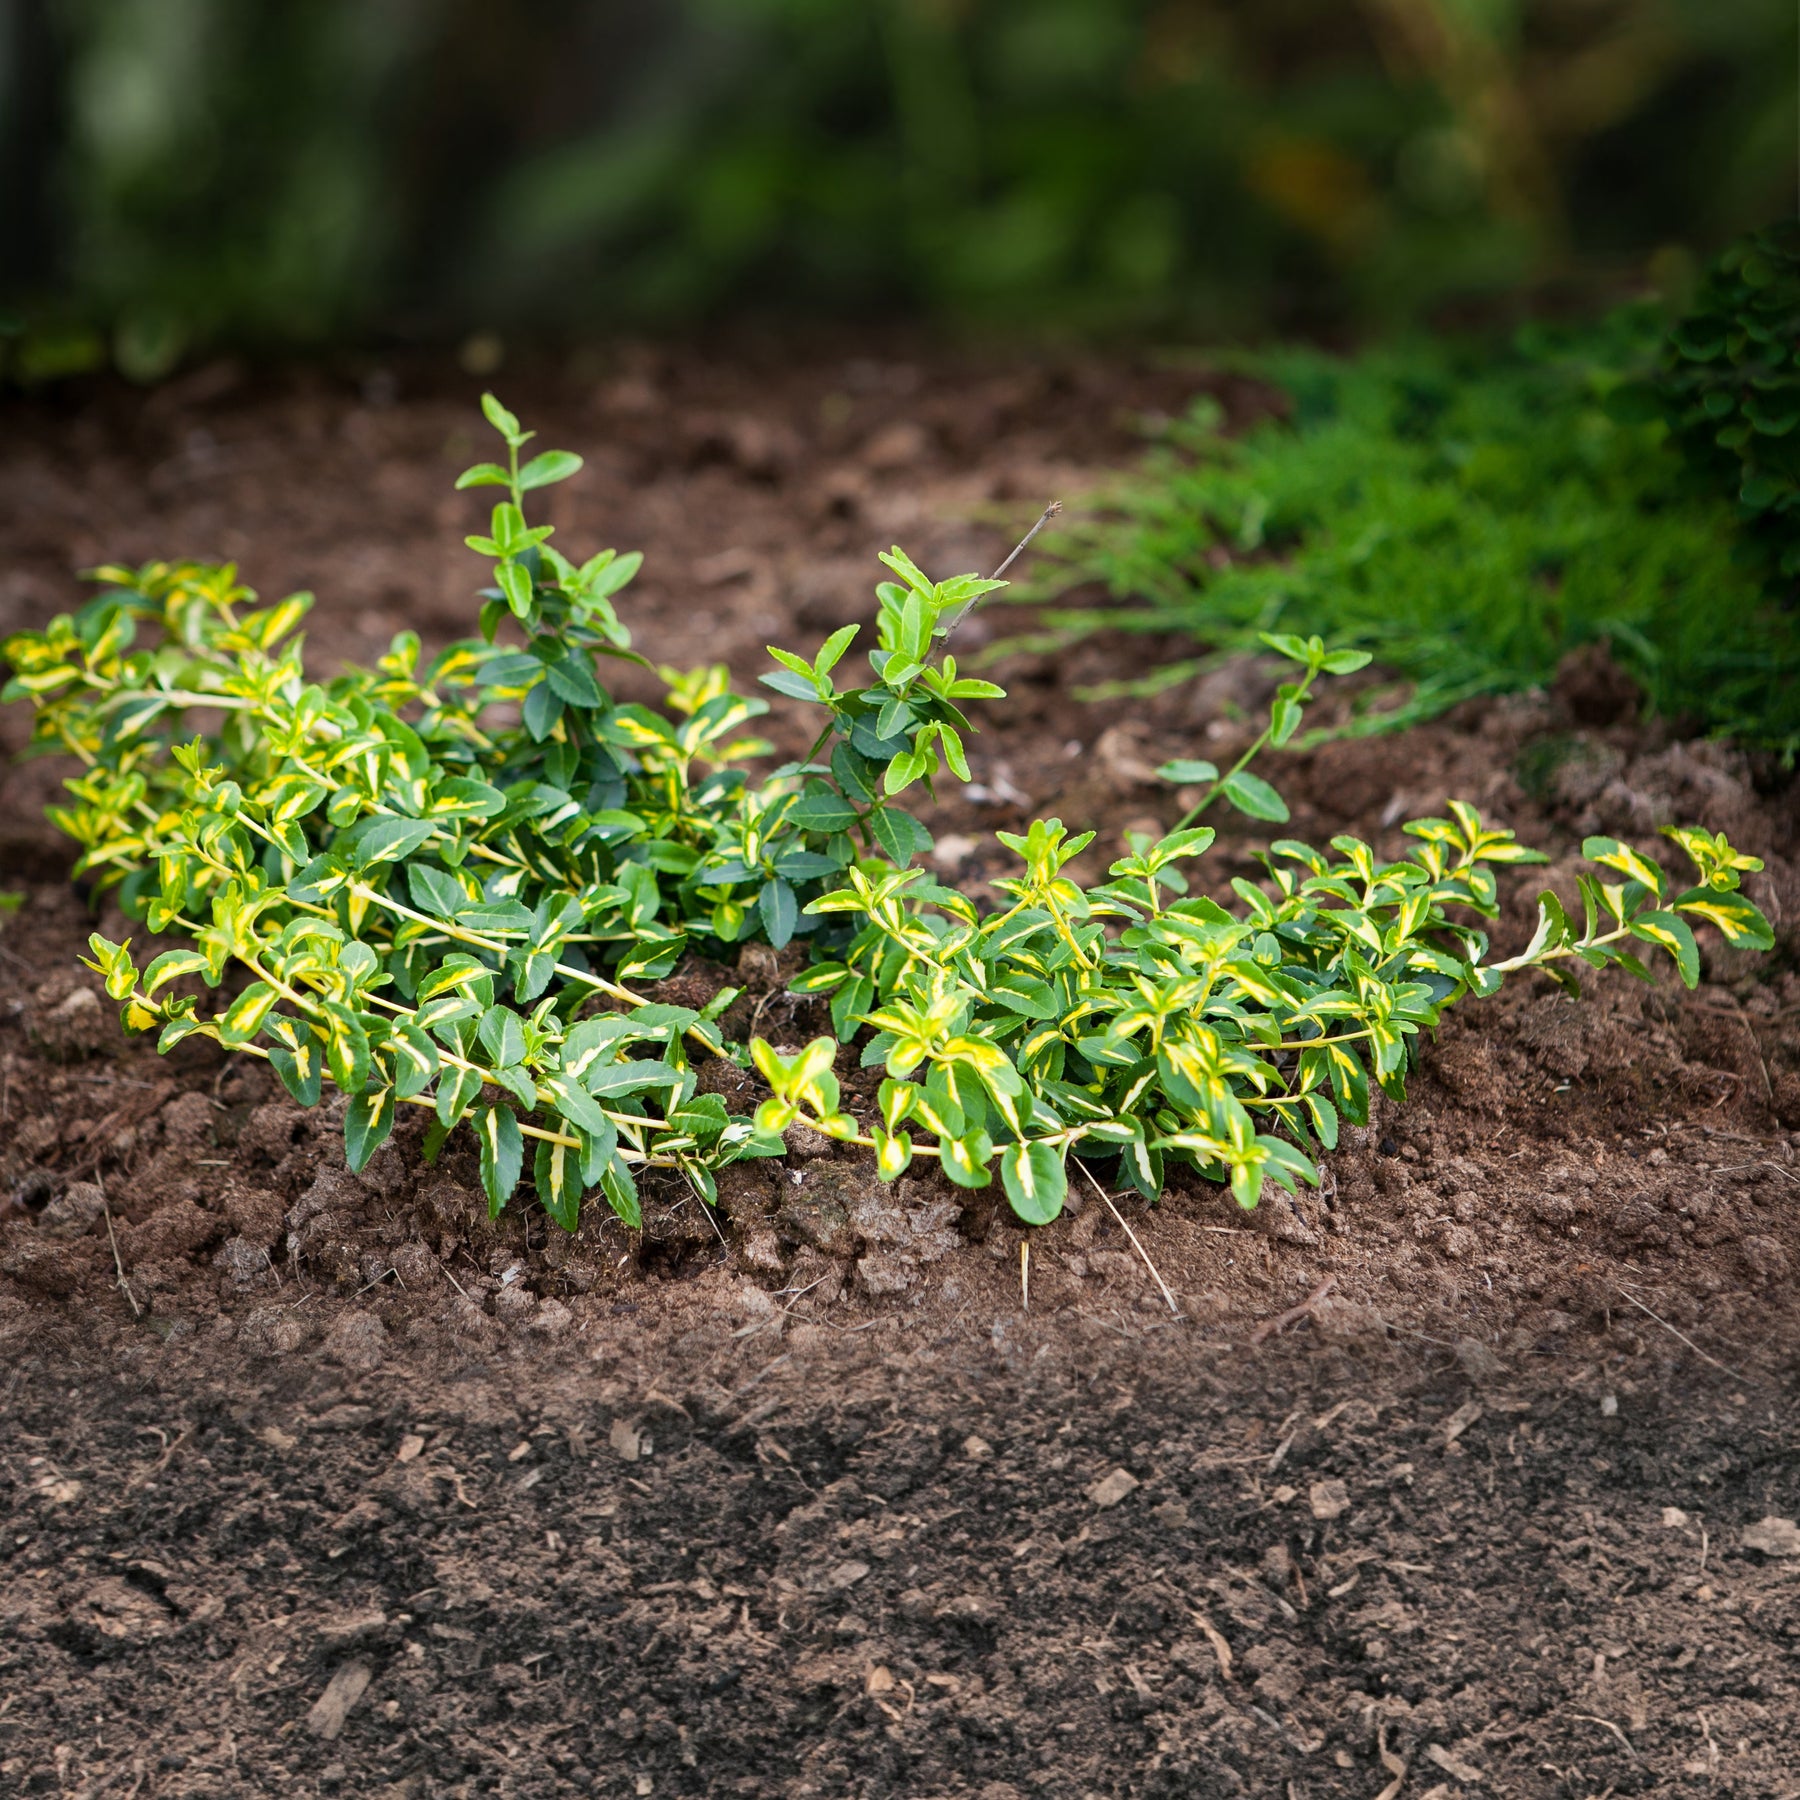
{"x": 179, "y": 172}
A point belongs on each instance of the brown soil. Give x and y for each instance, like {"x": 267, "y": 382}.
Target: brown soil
{"x": 800, "y": 1499}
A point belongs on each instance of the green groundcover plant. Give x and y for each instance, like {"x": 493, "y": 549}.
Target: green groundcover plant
{"x": 444, "y": 885}
{"x": 1468, "y": 514}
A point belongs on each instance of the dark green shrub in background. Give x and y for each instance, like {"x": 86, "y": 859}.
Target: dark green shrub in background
{"x": 1467, "y": 513}
{"x": 1730, "y": 385}
{"x": 171, "y": 173}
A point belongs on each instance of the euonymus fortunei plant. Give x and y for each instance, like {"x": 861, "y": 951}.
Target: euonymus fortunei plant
{"x": 444, "y": 885}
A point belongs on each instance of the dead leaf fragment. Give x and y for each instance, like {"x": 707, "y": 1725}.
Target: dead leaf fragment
{"x": 1216, "y": 1638}
{"x": 1674, "y": 1517}
{"x": 1460, "y": 1421}
{"x": 410, "y": 1446}
{"x": 1395, "y": 1765}
{"x": 341, "y": 1693}
{"x": 1451, "y": 1764}
{"x": 1773, "y": 1537}
{"x": 1328, "y": 1499}
{"x": 1113, "y": 1488}
{"x": 847, "y": 1574}
{"x": 625, "y": 1440}
{"x": 880, "y": 1680}
{"x": 347, "y": 1629}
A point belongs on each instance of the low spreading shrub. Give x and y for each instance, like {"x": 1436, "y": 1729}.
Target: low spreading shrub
{"x": 1467, "y": 514}
{"x": 444, "y": 884}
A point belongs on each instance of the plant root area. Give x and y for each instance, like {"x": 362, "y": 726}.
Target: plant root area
{"x": 1472, "y": 1472}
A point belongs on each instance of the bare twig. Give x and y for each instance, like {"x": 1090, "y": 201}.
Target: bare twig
{"x": 1044, "y": 519}
{"x": 1281, "y": 1321}
{"x": 1123, "y": 1226}
{"x": 454, "y": 1282}
{"x": 137, "y": 1312}
{"x": 1684, "y": 1338}
{"x": 1743, "y": 1018}
{"x": 1025, "y": 1274}
{"x": 1595, "y": 1719}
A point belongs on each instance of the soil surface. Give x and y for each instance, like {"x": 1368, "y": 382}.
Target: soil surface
{"x": 1474, "y": 1472}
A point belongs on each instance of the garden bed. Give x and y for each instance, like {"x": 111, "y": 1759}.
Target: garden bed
{"x": 219, "y": 1340}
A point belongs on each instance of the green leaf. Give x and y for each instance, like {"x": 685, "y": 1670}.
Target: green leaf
{"x": 384, "y": 840}
{"x": 1736, "y": 919}
{"x": 244, "y": 1018}
{"x": 794, "y": 687}
{"x": 301, "y": 1071}
{"x": 435, "y": 892}
{"x": 620, "y": 1189}
{"x": 820, "y": 808}
{"x": 546, "y": 467}
{"x": 483, "y": 475}
{"x": 1252, "y": 795}
{"x": 346, "y": 1048}
{"x": 415, "y": 1059}
{"x": 597, "y": 1149}
{"x": 367, "y": 1121}
{"x": 1609, "y": 853}
{"x": 1284, "y": 720}
{"x": 572, "y": 680}
{"x": 1035, "y": 1180}
{"x": 514, "y": 581}
{"x": 1185, "y": 772}
{"x": 577, "y": 1105}
{"x": 609, "y": 1079}
{"x": 502, "y": 1034}
{"x": 502, "y": 1154}
{"x": 899, "y": 834}
{"x": 833, "y": 648}
{"x": 1675, "y": 935}
{"x": 170, "y": 965}
{"x": 893, "y": 1152}
{"x": 501, "y": 420}
{"x": 457, "y": 1091}
{"x": 849, "y": 1004}
{"x": 965, "y": 1159}
{"x": 556, "y": 1170}
{"x": 780, "y": 910}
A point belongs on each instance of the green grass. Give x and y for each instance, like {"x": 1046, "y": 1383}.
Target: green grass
{"x": 1468, "y": 514}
